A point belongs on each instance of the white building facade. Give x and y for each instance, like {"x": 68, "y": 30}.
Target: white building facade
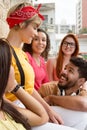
{"x": 48, "y": 11}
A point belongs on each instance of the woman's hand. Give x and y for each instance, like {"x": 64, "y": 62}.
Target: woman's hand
{"x": 55, "y": 117}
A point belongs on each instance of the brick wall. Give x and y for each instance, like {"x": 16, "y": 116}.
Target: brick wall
{"x": 84, "y": 13}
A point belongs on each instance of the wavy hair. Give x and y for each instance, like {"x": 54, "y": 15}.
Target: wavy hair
{"x": 28, "y": 47}
{"x": 61, "y": 54}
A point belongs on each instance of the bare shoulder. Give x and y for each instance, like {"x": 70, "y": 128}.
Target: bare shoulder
{"x": 51, "y": 60}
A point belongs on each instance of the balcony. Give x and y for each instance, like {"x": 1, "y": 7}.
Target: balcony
{"x": 46, "y": 6}
{"x": 48, "y": 27}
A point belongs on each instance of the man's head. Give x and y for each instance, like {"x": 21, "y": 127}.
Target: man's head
{"x": 74, "y": 74}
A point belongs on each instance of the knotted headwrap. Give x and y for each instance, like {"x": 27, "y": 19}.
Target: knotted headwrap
{"x": 23, "y": 14}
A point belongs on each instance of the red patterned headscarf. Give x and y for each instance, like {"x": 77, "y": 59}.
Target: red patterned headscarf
{"x": 23, "y": 14}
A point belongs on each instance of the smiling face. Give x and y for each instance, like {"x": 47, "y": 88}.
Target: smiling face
{"x": 39, "y": 43}
{"x": 69, "y": 77}
{"x": 68, "y": 46}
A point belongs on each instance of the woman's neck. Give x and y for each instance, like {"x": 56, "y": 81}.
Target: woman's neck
{"x": 65, "y": 61}
{"x": 67, "y": 57}
{"x": 35, "y": 55}
{"x": 14, "y": 39}
{"x": 36, "y": 58}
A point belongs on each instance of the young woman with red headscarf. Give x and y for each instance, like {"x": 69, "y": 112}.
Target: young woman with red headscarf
{"x": 23, "y": 21}
{"x": 12, "y": 117}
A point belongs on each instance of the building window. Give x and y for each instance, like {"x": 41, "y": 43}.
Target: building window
{"x": 51, "y": 21}
{"x": 46, "y": 18}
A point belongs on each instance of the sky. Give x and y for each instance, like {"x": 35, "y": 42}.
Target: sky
{"x": 65, "y": 10}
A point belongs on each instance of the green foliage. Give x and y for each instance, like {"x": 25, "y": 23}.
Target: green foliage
{"x": 84, "y": 55}
{"x": 70, "y": 31}
{"x": 83, "y": 30}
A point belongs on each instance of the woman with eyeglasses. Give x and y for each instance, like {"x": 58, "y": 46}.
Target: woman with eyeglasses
{"x": 69, "y": 47}
{"x": 13, "y": 117}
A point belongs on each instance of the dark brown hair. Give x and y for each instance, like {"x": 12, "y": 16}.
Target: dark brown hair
{"x": 5, "y": 64}
{"x": 28, "y": 47}
{"x": 82, "y": 66}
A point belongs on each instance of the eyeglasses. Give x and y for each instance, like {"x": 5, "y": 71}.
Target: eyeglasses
{"x": 71, "y": 44}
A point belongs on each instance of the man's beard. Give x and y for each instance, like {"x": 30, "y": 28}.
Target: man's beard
{"x": 67, "y": 86}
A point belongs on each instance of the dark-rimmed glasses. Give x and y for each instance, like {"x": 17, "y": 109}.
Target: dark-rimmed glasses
{"x": 71, "y": 44}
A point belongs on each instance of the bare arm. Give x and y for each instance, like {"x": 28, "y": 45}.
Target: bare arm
{"x": 34, "y": 111}
{"x": 49, "y": 66}
{"x": 78, "y": 103}
{"x": 54, "y": 117}
{"x": 33, "y": 104}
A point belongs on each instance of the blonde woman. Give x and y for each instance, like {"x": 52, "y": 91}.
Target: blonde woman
{"x": 12, "y": 117}
{"x": 23, "y": 20}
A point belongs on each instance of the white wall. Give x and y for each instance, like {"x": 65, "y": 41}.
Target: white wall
{"x": 83, "y": 45}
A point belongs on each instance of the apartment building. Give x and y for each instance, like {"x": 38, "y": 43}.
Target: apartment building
{"x": 81, "y": 15}
{"x": 66, "y": 28}
{"x": 48, "y": 11}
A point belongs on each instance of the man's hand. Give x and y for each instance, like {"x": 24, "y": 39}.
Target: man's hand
{"x": 47, "y": 99}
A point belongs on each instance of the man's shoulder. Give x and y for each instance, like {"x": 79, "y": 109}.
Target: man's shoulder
{"x": 50, "y": 88}
{"x": 82, "y": 92}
